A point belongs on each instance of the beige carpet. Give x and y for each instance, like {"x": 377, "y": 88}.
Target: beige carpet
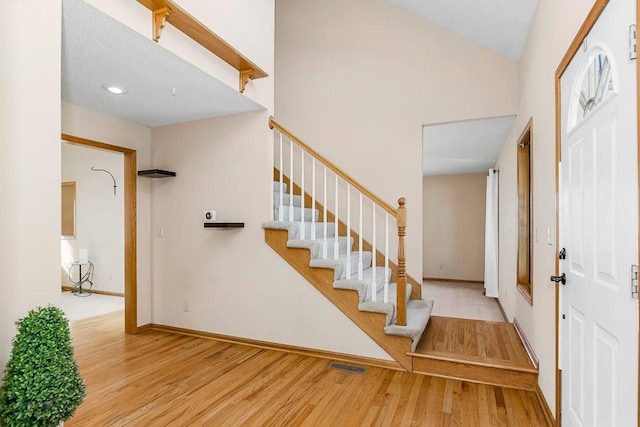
{"x": 461, "y": 299}
{"x": 77, "y": 307}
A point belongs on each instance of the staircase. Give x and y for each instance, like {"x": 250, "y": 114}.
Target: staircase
{"x": 355, "y": 275}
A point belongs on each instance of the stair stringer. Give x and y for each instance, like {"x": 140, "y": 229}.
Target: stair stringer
{"x": 347, "y": 301}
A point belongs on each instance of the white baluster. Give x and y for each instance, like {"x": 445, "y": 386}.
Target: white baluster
{"x": 373, "y": 255}
{"x": 348, "y": 270}
{"x": 291, "y": 217}
{"x": 386, "y": 257}
{"x": 324, "y": 216}
{"x": 302, "y": 231}
{"x": 281, "y": 206}
{"x": 336, "y": 245}
{"x": 360, "y": 263}
{"x": 313, "y": 197}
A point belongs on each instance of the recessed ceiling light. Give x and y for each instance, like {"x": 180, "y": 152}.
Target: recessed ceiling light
{"x": 116, "y": 90}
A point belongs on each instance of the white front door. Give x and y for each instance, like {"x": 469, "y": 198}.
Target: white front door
{"x": 599, "y": 227}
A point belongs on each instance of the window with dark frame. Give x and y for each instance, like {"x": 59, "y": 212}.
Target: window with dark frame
{"x": 525, "y": 222}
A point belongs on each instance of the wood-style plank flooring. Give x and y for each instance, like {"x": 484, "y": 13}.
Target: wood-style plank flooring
{"x": 474, "y": 340}
{"x": 163, "y": 379}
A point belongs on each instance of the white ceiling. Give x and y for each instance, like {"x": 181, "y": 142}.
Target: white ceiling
{"x": 499, "y": 25}
{"x": 463, "y": 147}
{"x": 98, "y": 50}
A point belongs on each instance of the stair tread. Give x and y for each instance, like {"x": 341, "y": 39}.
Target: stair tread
{"x": 389, "y": 307}
{"x": 418, "y": 313}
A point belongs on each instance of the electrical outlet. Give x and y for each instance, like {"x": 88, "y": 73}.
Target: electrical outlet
{"x": 161, "y": 231}
{"x": 185, "y": 306}
{"x": 549, "y": 236}
{"x": 112, "y": 277}
{"x": 441, "y": 266}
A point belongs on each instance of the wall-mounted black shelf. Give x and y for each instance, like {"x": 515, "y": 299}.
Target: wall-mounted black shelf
{"x": 156, "y": 173}
{"x": 223, "y": 224}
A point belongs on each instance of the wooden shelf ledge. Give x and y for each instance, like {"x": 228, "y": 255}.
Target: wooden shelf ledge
{"x": 156, "y": 173}
{"x": 167, "y": 11}
{"x": 223, "y": 224}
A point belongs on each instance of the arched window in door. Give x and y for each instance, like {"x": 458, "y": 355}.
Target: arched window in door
{"x": 595, "y": 85}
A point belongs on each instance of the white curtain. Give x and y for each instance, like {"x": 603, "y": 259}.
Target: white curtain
{"x": 491, "y": 236}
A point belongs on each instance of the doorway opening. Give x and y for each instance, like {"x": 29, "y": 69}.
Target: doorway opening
{"x": 130, "y": 239}
{"x": 457, "y": 159}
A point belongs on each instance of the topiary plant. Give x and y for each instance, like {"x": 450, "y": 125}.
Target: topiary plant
{"x": 42, "y": 384}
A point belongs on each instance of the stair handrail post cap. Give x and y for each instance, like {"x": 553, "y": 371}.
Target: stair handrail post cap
{"x": 402, "y": 201}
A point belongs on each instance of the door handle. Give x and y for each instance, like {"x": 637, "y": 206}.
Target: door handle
{"x": 562, "y": 279}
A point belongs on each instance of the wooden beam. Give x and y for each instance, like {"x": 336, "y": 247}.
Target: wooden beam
{"x": 167, "y": 11}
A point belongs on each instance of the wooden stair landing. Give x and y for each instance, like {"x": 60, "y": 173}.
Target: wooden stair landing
{"x": 475, "y": 350}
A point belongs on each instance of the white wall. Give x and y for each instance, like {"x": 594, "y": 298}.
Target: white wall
{"x": 99, "y": 215}
{"x": 88, "y": 124}
{"x": 453, "y": 226}
{"x": 232, "y": 282}
{"x": 358, "y": 79}
{"x": 554, "y": 27}
{"x": 247, "y": 25}
{"x": 29, "y": 161}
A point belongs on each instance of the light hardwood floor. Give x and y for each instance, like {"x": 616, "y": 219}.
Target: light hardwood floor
{"x": 475, "y": 350}
{"x": 161, "y": 379}
{"x": 468, "y": 339}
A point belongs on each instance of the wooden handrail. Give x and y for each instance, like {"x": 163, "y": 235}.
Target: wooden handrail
{"x": 167, "y": 10}
{"x": 384, "y": 205}
{"x": 401, "y": 285}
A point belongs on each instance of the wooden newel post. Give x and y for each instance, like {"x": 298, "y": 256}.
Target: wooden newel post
{"x": 401, "y": 305}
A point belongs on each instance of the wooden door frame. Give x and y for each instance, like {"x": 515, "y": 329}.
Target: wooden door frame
{"x": 130, "y": 226}
{"x": 584, "y": 30}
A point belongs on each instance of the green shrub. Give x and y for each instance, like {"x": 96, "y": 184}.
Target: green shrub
{"x": 42, "y": 384}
